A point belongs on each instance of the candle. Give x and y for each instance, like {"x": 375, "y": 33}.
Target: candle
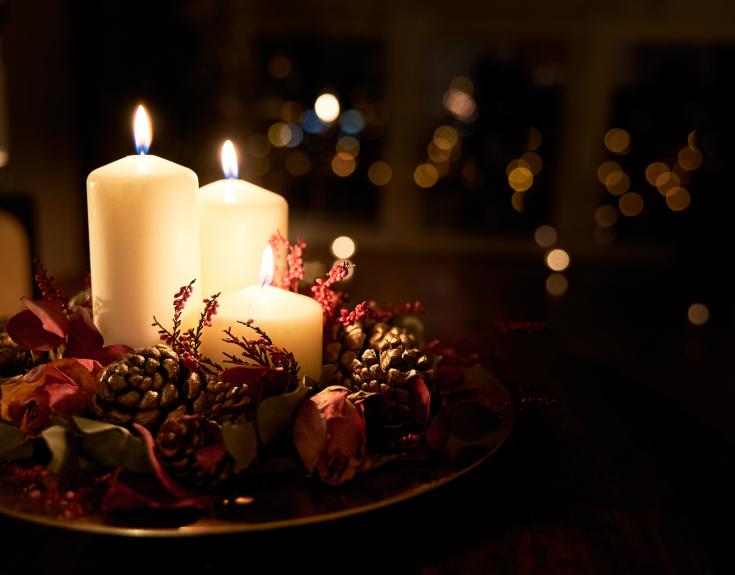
{"x": 143, "y": 240}
{"x": 237, "y": 219}
{"x": 293, "y": 321}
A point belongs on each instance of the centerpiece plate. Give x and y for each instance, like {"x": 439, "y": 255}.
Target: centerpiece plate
{"x": 276, "y": 503}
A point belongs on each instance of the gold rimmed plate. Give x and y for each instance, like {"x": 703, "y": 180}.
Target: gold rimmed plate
{"x": 278, "y": 503}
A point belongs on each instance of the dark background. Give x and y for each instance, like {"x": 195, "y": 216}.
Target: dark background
{"x": 73, "y": 71}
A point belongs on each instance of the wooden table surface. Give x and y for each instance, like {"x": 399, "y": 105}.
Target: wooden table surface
{"x": 612, "y": 479}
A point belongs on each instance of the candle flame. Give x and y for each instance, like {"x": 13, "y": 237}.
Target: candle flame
{"x": 229, "y": 160}
{"x": 142, "y": 130}
{"x": 266, "y": 267}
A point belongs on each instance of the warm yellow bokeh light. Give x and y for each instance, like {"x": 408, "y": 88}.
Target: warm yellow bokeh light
{"x": 343, "y": 247}
{"x": 445, "y": 137}
{"x": 617, "y": 141}
{"x": 617, "y": 183}
{"x": 518, "y": 202}
{"x": 279, "y": 134}
{"x": 520, "y": 179}
{"x": 343, "y": 164}
{"x": 698, "y": 314}
{"x": 380, "y": 173}
{"x": 436, "y": 154}
{"x": 654, "y": 170}
{"x": 678, "y": 199}
{"x": 326, "y": 107}
{"x": 666, "y": 182}
{"x": 557, "y": 260}
{"x": 690, "y": 158}
{"x": 631, "y": 204}
{"x": 463, "y": 83}
{"x": 607, "y": 168}
{"x": 425, "y": 175}
{"x": 545, "y": 236}
{"x": 556, "y": 284}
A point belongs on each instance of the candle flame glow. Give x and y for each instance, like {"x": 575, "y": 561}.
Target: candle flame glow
{"x": 266, "y": 267}
{"x": 229, "y": 160}
{"x": 142, "y": 130}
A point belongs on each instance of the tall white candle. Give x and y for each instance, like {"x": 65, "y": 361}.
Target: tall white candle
{"x": 237, "y": 219}
{"x": 143, "y": 240}
{"x": 293, "y": 321}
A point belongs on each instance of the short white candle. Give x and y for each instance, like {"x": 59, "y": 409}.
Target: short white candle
{"x": 237, "y": 219}
{"x": 143, "y": 240}
{"x": 293, "y": 321}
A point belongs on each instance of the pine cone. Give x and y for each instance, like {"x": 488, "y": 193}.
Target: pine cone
{"x": 13, "y": 360}
{"x": 144, "y": 387}
{"x": 389, "y": 365}
{"x": 348, "y": 347}
{"x": 191, "y": 450}
{"x": 224, "y": 401}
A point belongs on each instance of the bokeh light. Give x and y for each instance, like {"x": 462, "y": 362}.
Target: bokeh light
{"x": 557, "y": 260}
{"x": 520, "y": 179}
{"x": 425, "y": 175}
{"x": 436, "y": 154}
{"x": 698, "y": 314}
{"x": 534, "y": 140}
{"x": 617, "y": 182}
{"x": 534, "y": 162}
{"x": 667, "y": 181}
{"x": 296, "y": 135}
{"x": 461, "y": 105}
{"x": 380, "y": 173}
{"x": 692, "y": 139}
{"x": 343, "y": 247}
{"x": 343, "y": 164}
{"x": 348, "y": 145}
{"x": 556, "y": 284}
{"x": 606, "y": 216}
{"x": 291, "y": 112}
{"x": 689, "y": 158}
{"x": 279, "y": 134}
{"x": 279, "y": 66}
{"x": 607, "y": 168}
{"x": 617, "y": 141}
{"x": 445, "y": 137}
{"x": 464, "y": 84}
{"x": 311, "y": 123}
{"x": 297, "y": 163}
{"x": 518, "y": 201}
{"x": 678, "y": 199}
{"x": 326, "y": 107}
{"x": 545, "y": 236}
{"x": 654, "y": 170}
{"x": 631, "y": 204}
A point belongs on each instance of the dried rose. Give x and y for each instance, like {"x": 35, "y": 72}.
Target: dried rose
{"x": 62, "y": 388}
{"x": 329, "y": 435}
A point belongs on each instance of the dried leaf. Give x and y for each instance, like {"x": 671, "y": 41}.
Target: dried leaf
{"x": 14, "y": 444}
{"x": 110, "y": 353}
{"x": 241, "y": 441}
{"x": 112, "y": 446}
{"x": 84, "y": 339}
{"x": 276, "y": 413}
{"x": 57, "y": 440}
{"x": 26, "y": 330}
{"x": 51, "y": 313}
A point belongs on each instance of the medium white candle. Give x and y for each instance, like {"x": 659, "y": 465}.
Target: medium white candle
{"x": 237, "y": 219}
{"x": 293, "y": 321}
{"x": 143, "y": 240}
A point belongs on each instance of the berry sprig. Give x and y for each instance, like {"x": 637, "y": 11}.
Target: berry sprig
{"x": 45, "y": 283}
{"x": 294, "y": 272}
{"x": 329, "y": 298}
{"x": 187, "y": 344}
{"x": 260, "y": 351}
